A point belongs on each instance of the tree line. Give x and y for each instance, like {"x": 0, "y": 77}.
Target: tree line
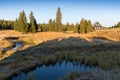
{"x": 5, "y": 24}
{"x": 21, "y": 24}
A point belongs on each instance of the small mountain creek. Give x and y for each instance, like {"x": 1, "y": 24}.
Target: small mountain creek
{"x": 56, "y": 71}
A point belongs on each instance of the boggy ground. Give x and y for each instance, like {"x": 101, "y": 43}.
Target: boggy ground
{"x": 91, "y": 50}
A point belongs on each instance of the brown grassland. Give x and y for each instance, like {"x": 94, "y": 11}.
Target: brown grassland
{"x": 110, "y": 34}
{"x": 46, "y": 44}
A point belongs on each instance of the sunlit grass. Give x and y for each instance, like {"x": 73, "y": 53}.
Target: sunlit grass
{"x": 97, "y": 48}
{"x": 5, "y": 43}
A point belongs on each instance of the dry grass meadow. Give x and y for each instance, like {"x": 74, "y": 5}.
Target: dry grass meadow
{"x": 96, "y": 37}
{"x": 54, "y": 42}
{"x": 108, "y": 34}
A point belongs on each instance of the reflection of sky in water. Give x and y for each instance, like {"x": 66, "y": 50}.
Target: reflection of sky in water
{"x": 54, "y": 72}
{"x": 18, "y": 45}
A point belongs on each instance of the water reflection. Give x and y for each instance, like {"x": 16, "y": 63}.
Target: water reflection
{"x": 54, "y": 72}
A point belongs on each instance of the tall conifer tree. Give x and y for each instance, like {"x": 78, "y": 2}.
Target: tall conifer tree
{"x": 82, "y": 26}
{"x": 23, "y": 25}
{"x": 59, "y": 20}
{"x": 33, "y": 24}
{"x": 89, "y": 26}
{"x": 76, "y": 28}
{"x": 50, "y": 25}
{"x": 16, "y": 25}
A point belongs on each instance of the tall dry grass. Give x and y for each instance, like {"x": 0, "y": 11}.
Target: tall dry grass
{"x": 39, "y": 37}
{"x": 5, "y": 43}
{"x": 110, "y": 34}
{"x": 101, "y": 36}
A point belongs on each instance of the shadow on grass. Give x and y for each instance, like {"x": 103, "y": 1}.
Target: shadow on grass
{"x": 87, "y": 52}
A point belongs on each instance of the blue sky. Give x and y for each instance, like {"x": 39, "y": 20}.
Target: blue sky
{"x": 107, "y": 12}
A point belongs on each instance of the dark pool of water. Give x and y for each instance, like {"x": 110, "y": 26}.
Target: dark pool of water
{"x": 54, "y": 72}
{"x": 18, "y": 45}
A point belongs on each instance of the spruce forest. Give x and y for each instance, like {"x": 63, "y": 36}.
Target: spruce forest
{"x": 21, "y": 24}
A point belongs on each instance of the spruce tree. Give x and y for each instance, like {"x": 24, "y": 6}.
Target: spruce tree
{"x": 23, "y": 25}
{"x": 82, "y": 26}
{"x": 50, "y": 23}
{"x": 16, "y": 25}
{"x": 89, "y": 26}
{"x": 76, "y": 29}
{"x": 33, "y": 24}
{"x": 72, "y": 27}
{"x": 86, "y": 26}
{"x": 4, "y": 24}
{"x": 67, "y": 26}
{"x": 59, "y": 20}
